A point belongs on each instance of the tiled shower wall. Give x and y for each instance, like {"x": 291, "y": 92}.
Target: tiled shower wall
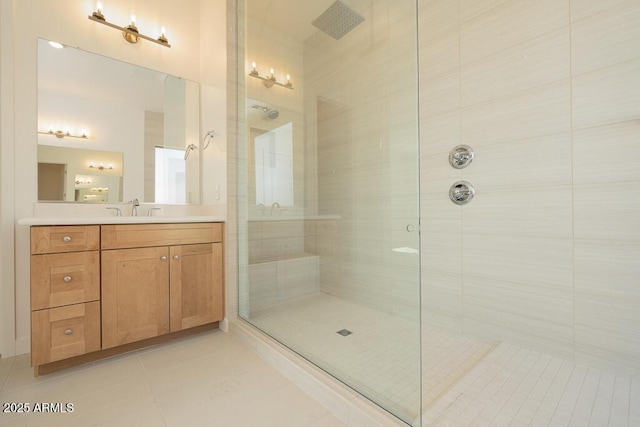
{"x": 548, "y": 95}
{"x": 361, "y": 152}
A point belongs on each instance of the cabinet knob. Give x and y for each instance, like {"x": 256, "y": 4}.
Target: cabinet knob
{"x": 66, "y": 238}
{"x": 68, "y": 332}
{"x": 67, "y": 279}
{"x": 176, "y": 257}
{"x": 163, "y": 258}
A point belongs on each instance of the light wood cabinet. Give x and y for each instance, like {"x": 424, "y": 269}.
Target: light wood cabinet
{"x": 103, "y": 289}
{"x": 63, "y": 332}
{"x": 170, "y": 287}
{"x": 65, "y": 292}
{"x": 135, "y": 295}
{"x": 196, "y": 285}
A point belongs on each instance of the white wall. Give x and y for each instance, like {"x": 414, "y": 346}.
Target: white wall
{"x": 193, "y": 43}
{"x": 546, "y": 255}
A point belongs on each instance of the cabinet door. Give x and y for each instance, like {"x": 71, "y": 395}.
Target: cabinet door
{"x": 135, "y": 295}
{"x": 196, "y": 285}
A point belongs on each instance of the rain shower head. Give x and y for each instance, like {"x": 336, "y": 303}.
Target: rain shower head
{"x": 338, "y": 20}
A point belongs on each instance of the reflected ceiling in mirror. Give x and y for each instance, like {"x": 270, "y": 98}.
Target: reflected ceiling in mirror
{"x": 120, "y": 108}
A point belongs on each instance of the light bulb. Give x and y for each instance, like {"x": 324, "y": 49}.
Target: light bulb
{"x": 99, "y": 7}
{"x": 253, "y": 64}
{"x": 133, "y": 20}
{"x": 288, "y": 77}
{"x": 163, "y": 31}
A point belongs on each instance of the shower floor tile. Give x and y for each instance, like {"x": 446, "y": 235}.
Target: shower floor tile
{"x": 514, "y": 386}
{"x": 381, "y": 354}
{"x": 466, "y": 381}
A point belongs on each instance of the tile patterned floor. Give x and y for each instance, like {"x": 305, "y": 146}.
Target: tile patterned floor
{"x": 513, "y": 386}
{"x": 466, "y": 382}
{"x": 214, "y": 380}
{"x": 208, "y": 380}
{"x": 382, "y": 354}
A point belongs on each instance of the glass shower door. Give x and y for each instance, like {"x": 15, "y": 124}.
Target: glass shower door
{"x": 328, "y": 174}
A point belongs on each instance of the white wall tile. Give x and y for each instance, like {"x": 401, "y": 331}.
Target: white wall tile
{"x": 440, "y": 94}
{"x": 606, "y": 38}
{"x": 534, "y": 63}
{"x": 581, "y": 9}
{"x": 606, "y": 295}
{"x": 522, "y": 164}
{"x": 472, "y": 9}
{"x": 509, "y": 24}
{"x": 519, "y": 289}
{"x": 543, "y": 111}
{"x": 436, "y": 18}
{"x": 520, "y": 211}
{"x": 608, "y": 95}
{"x": 440, "y": 56}
{"x": 607, "y": 211}
{"x": 607, "y": 154}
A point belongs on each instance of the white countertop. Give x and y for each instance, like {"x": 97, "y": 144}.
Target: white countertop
{"x": 118, "y": 220}
{"x": 294, "y": 218}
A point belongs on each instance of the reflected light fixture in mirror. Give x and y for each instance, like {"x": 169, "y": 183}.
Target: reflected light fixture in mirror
{"x": 100, "y": 166}
{"x": 56, "y": 44}
{"x": 130, "y": 33}
{"x": 62, "y": 134}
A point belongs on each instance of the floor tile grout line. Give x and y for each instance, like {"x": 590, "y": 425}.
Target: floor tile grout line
{"x": 6, "y": 378}
{"x": 573, "y": 370}
{"x": 593, "y": 402}
{"x": 506, "y": 380}
{"x": 524, "y": 377}
{"x": 526, "y": 399}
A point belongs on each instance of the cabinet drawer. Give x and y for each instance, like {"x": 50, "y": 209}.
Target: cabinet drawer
{"x": 75, "y": 238}
{"x": 146, "y": 235}
{"x": 64, "y": 279}
{"x": 59, "y": 333}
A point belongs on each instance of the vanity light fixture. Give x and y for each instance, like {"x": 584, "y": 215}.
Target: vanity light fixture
{"x": 61, "y": 134}
{"x": 268, "y": 82}
{"x": 130, "y": 32}
{"x": 82, "y": 181}
{"x": 100, "y": 166}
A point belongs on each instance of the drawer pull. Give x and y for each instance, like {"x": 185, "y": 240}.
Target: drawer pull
{"x": 176, "y": 257}
{"x": 67, "y": 279}
{"x": 163, "y": 258}
{"x": 68, "y": 332}
{"x": 66, "y": 238}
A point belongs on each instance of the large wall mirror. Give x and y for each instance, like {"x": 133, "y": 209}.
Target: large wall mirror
{"x": 109, "y": 131}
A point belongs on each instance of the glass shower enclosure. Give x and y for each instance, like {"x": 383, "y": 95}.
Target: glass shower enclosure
{"x": 328, "y": 189}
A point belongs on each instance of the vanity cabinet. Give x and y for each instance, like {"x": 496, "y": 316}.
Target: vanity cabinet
{"x": 169, "y": 275}
{"x": 99, "y": 289}
{"x": 65, "y": 292}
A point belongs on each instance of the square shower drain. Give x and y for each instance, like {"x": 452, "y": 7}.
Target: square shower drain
{"x": 344, "y": 332}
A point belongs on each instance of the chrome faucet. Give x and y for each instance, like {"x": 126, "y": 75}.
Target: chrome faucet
{"x": 118, "y": 211}
{"x": 134, "y": 207}
{"x": 150, "y": 211}
{"x": 274, "y": 205}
